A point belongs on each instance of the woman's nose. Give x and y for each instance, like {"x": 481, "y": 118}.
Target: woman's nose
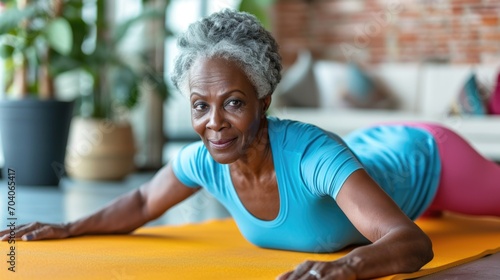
{"x": 216, "y": 119}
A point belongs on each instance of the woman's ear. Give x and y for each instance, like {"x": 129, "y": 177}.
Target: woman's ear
{"x": 266, "y": 102}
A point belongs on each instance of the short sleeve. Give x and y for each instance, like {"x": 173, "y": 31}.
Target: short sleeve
{"x": 187, "y": 165}
{"x": 327, "y": 164}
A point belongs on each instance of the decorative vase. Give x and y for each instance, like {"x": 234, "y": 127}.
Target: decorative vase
{"x": 100, "y": 149}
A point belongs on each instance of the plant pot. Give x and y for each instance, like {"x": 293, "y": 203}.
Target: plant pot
{"x": 100, "y": 150}
{"x": 34, "y": 137}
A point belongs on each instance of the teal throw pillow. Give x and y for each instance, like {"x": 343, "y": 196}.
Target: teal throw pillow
{"x": 364, "y": 91}
{"x": 471, "y": 98}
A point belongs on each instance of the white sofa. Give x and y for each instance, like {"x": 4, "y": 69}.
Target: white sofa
{"x": 425, "y": 93}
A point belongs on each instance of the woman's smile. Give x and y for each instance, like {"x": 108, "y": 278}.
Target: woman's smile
{"x": 222, "y": 144}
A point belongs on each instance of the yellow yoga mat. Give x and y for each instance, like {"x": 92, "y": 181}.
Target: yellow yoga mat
{"x": 215, "y": 250}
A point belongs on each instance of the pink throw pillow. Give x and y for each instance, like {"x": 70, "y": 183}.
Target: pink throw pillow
{"x": 494, "y": 103}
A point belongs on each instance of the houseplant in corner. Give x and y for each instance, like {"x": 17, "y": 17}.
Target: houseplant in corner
{"x": 33, "y": 124}
{"x": 101, "y": 143}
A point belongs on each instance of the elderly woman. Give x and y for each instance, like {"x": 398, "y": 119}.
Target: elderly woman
{"x": 290, "y": 185}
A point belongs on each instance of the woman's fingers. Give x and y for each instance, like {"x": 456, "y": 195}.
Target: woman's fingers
{"x": 44, "y": 232}
{"x": 284, "y": 276}
{"x": 24, "y": 229}
{"x": 4, "y": 235}
{"x": 35, "y": 231}
{"x": 316, "y": 270}
{"x": 48, "y": 231}
{"x": 14, "y": 232}
{"x": 300, "y": 271}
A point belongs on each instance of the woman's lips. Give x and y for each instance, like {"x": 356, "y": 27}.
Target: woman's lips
{"x": 221, "y": 144}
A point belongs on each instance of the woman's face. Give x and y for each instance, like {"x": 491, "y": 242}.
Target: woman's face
{"x": 225, "y": 111}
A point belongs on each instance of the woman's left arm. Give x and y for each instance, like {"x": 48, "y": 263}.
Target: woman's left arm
{"x": 398, "y": 244}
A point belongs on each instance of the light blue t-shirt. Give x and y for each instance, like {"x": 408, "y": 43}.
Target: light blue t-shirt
{"x": 311, "y": 166}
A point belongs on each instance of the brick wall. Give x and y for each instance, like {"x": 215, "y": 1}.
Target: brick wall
{"x": 373, "y": 31}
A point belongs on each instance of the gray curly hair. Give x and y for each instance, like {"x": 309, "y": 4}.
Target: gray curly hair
{"x": 236, "y": 36}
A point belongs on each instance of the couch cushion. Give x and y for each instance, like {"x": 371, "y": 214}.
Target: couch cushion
{"x": 330, "y": 78}
{"x": 400, "y": 80}
{"x": 440, "y": 85}
{"x": 298, "y": 86}
{"x": 366, "y": 91}
{"x": 471, "y": 99}
{"x": 494, "y": 102}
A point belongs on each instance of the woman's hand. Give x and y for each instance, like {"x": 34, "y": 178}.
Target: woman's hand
{"x": 37, "y": 231}
{"x": 315, "y": 270}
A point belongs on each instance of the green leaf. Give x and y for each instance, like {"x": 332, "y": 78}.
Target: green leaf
{"x": 6, "y": 51}
{"x": 63, "y": 63}
{"x": 125, "y": 86}
{"x": 11, "y": 18}
{"x": 80, "y": 30}
{"x": 258, "y": 8}
{"x": 60, "y": 36}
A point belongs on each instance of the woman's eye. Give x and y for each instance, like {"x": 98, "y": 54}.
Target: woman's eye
{"x": 234, "y": 103}
{"x": 199, "y": 106}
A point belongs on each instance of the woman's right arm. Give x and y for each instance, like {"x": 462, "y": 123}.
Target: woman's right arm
{"x": 123, "y": 215}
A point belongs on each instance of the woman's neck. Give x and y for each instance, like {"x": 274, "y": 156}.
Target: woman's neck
{"x": 258, "y": 159}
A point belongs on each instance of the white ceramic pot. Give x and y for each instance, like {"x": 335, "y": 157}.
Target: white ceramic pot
{"x": 100, "y": 150}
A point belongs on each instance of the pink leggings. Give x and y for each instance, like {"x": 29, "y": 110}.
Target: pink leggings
{"x": 469, "y": 183}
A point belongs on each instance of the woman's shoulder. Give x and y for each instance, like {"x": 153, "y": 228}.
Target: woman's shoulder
{"x": 295, "y": 134}
{"x": 277, "y": 125}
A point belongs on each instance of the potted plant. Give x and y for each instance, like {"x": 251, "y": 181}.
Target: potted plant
{"x": 101, "y": 142}
{"x": 65, "y": 44}
{"x": 33, "y": 124}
